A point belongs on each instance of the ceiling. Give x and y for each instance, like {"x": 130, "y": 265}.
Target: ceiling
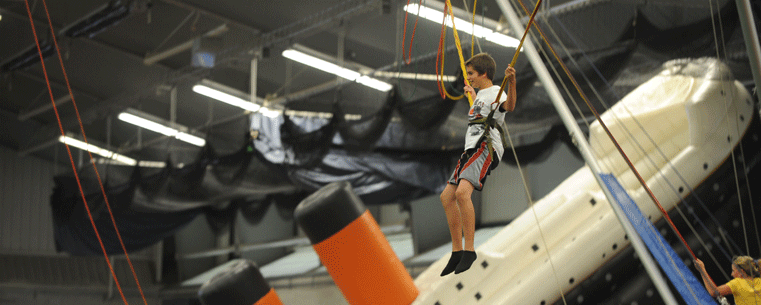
{"x": 108, "y": 70}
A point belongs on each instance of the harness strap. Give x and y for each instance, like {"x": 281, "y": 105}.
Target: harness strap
{"x": 489, "y": 122}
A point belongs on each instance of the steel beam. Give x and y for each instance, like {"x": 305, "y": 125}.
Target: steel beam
{"x": 117, "y": 103}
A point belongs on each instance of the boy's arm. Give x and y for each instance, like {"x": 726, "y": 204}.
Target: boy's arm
{"x": 509, "y": 104}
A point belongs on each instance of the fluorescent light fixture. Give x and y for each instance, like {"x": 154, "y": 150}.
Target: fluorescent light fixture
{"x": 414, "y": 76}
{"x": 270, "y": 113}
{"x": 220, "y": 92}
{"x": 463, "y": 25}
{"x": 96, "y": 150}
{"x": 332, "y": 68}
{"x": 167, "y": 131}
{"x": 226, "y": 98}
{"x": 374, "y": 83}
{"x": 151, "y": 164}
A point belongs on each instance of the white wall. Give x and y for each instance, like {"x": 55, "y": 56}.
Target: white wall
{"x": 198, "y": 236}
{"x": 306, "y": 295}
{"x": 26, "y": 222}
{"x": 504, "y": 196}
{"x": 43, "y": 296}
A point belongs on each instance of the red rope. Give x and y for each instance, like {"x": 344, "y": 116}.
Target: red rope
{"x": 518, "y": 49}
{"x": 612, "y": 138}
{"x": 439, "y": 55}
{"x": 60, "y": 125}
{"x": 404, "y": 32}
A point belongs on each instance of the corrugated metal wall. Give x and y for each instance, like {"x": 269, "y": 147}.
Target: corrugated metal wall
{"x": 26, "y": 224}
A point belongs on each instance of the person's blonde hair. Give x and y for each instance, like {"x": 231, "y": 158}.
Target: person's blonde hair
{"x": 747, "y": 264}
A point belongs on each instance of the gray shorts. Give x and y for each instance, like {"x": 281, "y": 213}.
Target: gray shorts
{"x": 474, "y": 165}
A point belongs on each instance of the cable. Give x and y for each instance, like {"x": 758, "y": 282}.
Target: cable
{"x": 518, "y": 49}
{"x": 448, "y": 8}
{"x": 676, "y": 171}
{"x": 440, "y": 81}
{"x": 734, "y": 163}
{"x": 649, "y": 158}
{"x": 618, "y": 147}
{"x": 536, "y": 218}
{"x": 404, "y": 32}
{"x": 105, "y": 197}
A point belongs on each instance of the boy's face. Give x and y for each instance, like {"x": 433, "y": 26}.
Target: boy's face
{"x": 474, "y": 78}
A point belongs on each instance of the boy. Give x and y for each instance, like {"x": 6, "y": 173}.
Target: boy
{"x": 482, "y": 154}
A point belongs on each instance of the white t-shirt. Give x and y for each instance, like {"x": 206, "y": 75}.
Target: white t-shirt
{"x": 482, "y": 105}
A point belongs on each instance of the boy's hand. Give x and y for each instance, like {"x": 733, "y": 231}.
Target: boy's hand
{"x": 510, "y": 73}
{"x": 469, "y": 90}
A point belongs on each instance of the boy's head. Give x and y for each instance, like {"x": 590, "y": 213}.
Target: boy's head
{"x": 483, "y": 63}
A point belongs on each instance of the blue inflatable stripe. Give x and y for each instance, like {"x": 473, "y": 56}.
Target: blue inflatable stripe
{"x": 691, "y": 289}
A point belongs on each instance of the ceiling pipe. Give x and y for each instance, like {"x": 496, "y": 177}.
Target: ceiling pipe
{"x": 58, "y": 102}
{"x": 344, "y": 9}
{"x": 101, "y": 20}
{"x": 212, "y": 14}
{"x": 93, "y": 23}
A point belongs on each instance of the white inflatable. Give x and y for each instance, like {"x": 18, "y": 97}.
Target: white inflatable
{"x": 694, "y": 111}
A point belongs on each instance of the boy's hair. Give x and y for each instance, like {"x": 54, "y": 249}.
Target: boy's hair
{"x": 483, "y": 63}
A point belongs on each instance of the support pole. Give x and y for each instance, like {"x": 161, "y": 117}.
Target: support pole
{"x": 254, "y": 77}
{"x": 565, "y": 114}
{"x": 173, "y": 106}
{"x": 159, "y": 260}
{"x": 751, "y": 39}
{"x": 341, "y": 48}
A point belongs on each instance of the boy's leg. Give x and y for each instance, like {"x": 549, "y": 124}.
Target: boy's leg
{"x": 453, "y": 216}
{"x": 463, "y": 193}
{"x": 455, "y": 227}
{"x": 468, "y": 214}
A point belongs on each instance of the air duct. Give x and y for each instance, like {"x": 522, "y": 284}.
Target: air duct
{"x": 110, "y": 15}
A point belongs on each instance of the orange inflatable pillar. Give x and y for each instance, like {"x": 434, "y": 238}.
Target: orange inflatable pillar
{"x": 240, "y": 284}
{"x": 353, "y": 248}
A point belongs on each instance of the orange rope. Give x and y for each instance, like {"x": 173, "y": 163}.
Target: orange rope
{"x": 440, "y": 77}
{"x": 459, "y": 48}
{"x": 404, "y": 32}
{"x": 68, "y": 150}
{"x": 610, "y": 135}
{"x": 518, "y": 50}
{"x": 441, "y": 81}
{"x": 439, "y": 84}
{"x": 103, "y": 191}
{"x": 472, "y": 35}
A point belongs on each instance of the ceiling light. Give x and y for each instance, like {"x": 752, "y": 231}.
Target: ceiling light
{"x": 157, "y": 127}
{"x": 232, "y": 96}
{"x": 96, "y": 150}
{"x": 332, "y": 68}
{"x": 150, "y": 164}
{"x": 414, "y": 76}
{"x": 463, "y": 25}
{"x": 235, "y": 97}
{"x": 226, "y": 98}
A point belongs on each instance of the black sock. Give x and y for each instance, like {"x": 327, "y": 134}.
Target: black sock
{"x": 468, "y": 257}
{"x": 452, "y": 264}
